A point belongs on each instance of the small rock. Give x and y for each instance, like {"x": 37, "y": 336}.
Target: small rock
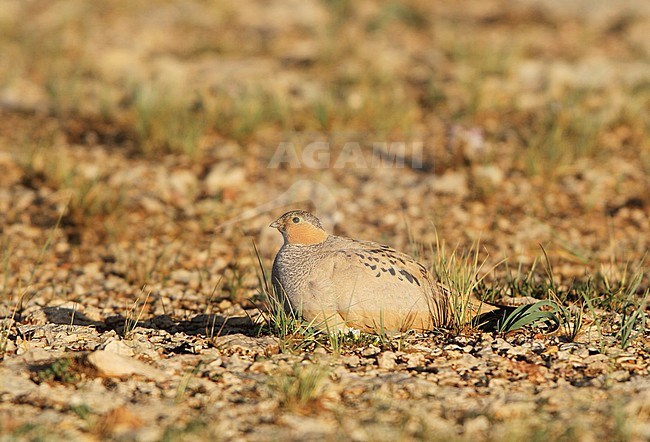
{"x": 245, "y": 344}
{"x": 387, "y": 360}
{"x": 370, "y": 350}
{"x": 266, "y": 367}
{"x": 415, "y": 360}
{"x": 450, "y": 183}
{"x": 502, "y": 345}
{"x": 352, "y": 360}
{"x": 489, "y": 174}
{"x": 620, "y": 375}
{"x": 93, "y": 269}
{"x": 93, "y": 313}
{"x": 35, "y": 315}
{"x": 10, "y": 347}
{"x": 224, "y": 175}
{"x": 517, "y": 351}
{"x": 116, "y": 365}
{"x": 181, "y": 276}
{"x": 151, "y": 204}
{"x": 486, "y": 350}
{"x": 183, "y": 184}
{"x": 235, "y": 363}
{"x": 14, "y": 385}
{"x": 117, "y": 346}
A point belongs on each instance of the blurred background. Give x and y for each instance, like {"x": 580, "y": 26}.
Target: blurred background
{"x": 148, "y": 130}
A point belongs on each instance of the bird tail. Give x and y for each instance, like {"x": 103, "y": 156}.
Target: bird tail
{"x": 478, "y": 307}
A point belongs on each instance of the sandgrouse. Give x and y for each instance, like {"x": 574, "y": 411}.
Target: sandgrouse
{"x": 338, "y": 283}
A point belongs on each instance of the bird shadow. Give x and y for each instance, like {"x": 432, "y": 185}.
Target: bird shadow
{"x": 207, "y": 325}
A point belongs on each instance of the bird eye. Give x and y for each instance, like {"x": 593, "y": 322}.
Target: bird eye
{"x": 296, "y": 220}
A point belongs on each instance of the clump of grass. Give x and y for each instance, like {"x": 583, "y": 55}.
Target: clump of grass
{"x": 302, "y": 388}
{"x": 460, "y": 273}
{"x": 83, "y": 411}
{"x": 166, "y": 123}
{"x": 633, "y": 320}
{"x": 560, "y": 133}
{"x": 133, "y": 317}
{"x": 184, "y": 384}
{"x": 210, "y": 324}
{"x": 339, "y": 343}
{"x": 169, "y": 123}
{"x": 32, "y": 431}
{"x": 616, "y": 306}
{"x": 624, "y": 298}
{"x": 617, "y": 302}
{"x": 598, "y": 321}
{"x": 63, "y": 370}
{"x": 374, "y": 102}
{"x": 239, "y": 114}
{"x": 529, "y": 284}
{"x": 65, "y": 91}
{"x": 528, "y": 314}
{"x": 570, "y": 317}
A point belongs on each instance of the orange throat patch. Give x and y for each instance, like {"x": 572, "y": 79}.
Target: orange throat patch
{"x": 305, "y": 234}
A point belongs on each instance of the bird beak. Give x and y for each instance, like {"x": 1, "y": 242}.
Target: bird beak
{"x": 275, "y": 224}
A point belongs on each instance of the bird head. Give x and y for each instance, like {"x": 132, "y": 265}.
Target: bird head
{"x": 300, "y": 228}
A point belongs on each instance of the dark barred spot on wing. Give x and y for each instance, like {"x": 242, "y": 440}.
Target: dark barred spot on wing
{"x": 412, "y": 279}
{"x": 382, "y": 259}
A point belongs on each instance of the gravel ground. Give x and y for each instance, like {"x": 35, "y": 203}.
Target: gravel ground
{"x": 130, "y": 304}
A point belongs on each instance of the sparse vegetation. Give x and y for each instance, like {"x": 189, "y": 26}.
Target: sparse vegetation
{"x": 133, "y": 138}
{"x": 133, "y": 316}
{"x": 461, "y": 272}
{"x": 302, "y": 387}
{"x": 528, "y": 315}
{"x": 61, "y": 370}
